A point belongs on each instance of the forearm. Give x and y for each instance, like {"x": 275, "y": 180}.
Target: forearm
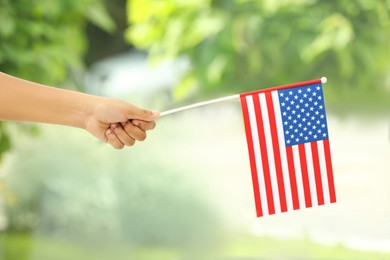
{"x": 22, "y": 100}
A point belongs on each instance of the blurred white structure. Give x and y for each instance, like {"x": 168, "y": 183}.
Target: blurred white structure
{"x": 131, "y": 74}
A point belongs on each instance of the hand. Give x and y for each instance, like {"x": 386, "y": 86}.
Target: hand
{"x": 119, "y": 123}
{"x": 126, "y": 133}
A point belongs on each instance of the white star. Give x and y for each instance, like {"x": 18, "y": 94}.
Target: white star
{"x": 288, "y": 141}
{"x": 318, "y": 122}
{"x": 310, "y": 132}
{"x": 308, "y": 89}
{"x": 299, "y": 116}
{"x": 290, "y": 93}
{"x": 306, "y": 138}
{"x": 319, "y": 97}
{"x": 287, "y": 132}
{"x": 310, "y": 99}
{"x": 305, "y": 95}
{"x": 301, "y": 134}
{"x": 281, "y": 94}
{"x": 315, "y": 136}
{"x": 292, "y": 102}
{"x": 287, "y": 99}
{"x": 317, "y": 113}
{"x": 283, "y": 104}
{"x": 293, "y": 112}
{"x": 314, "y": 93}
{"x": 311, "y": 108}
{"x": 321, "y": 107}
{"x": 297, "y": 140}
{"x": 318, "y": 87}
{"x": 301, "y": 101}
{"x": 324, "y": 134}
{"x": 296, "y": 130}
{"x": 300, "y": 91}
{"x": 285, "y": 123}
{"x": 299, "y": 125}
{"x": 285, "y": 113}
{"x": 295, "y": 97}
{"x": 291, "y": 127}
{"x": 295, "y": 121}
{"x": 292, "y": 136}
{"x": 305, "y": 129}
{"x": 288, "y": 108}
{"x": 323, "y": 125}
{"x": 322, "y": 116}
{"x": 289, "y": 117}
{"x": 303, "y": 119}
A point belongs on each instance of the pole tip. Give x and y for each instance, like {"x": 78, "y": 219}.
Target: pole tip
{"x": 324, "y": 80}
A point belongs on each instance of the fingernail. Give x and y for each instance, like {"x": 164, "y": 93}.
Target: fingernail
{"x": 113, "y": 126}
{"x": 156, "y": 113}
{"x": 135, "y": 122}
{"x": 123, "y": 123}
{"x": 109, "y": 131}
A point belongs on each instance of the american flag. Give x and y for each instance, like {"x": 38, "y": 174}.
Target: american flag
{"x": 288, "y": 144}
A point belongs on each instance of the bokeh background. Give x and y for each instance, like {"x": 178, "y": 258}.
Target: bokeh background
{"x": 186, "y": 192}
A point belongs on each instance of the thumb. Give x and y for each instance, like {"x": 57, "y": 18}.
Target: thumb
{"x": 143, "y": 114}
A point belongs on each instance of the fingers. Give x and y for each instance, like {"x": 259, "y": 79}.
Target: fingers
{"x": 113, "y": 139}
{"x": 125, "y": 134}
{"x": 134, "y": 131}
{"x": 144, "y": 125}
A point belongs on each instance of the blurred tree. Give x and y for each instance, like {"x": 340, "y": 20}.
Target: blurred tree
{"x": 241, "y": 45}
{"x": 42, "y": 40}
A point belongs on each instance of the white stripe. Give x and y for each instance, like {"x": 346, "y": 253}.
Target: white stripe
{"x": 324, "y": 175}
{"x": 282, "y": 148}
{"x": 298, "y": 175}
{"x": 256, "y": 148}
{"x": 310, "y": 172}
{"x": 270, "y": 152}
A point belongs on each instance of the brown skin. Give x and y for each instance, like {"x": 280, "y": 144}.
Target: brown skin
{"x": 111, "y": 120}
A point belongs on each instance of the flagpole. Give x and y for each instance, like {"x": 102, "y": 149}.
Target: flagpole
{"x": 217, "y": 100}
{"x": 204, "y": 103}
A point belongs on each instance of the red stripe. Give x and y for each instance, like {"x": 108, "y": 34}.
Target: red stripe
{"x": 252, "y": 158}
{"x": 305, "y": 175}
{"x": 293, "y": 180}
{"x": 329, "y": 169}
{"x": 293, "y": 85}
{"x": 264, "y": 155}
{"x": 317, "y": 173}
{"x": 276, "y": 149}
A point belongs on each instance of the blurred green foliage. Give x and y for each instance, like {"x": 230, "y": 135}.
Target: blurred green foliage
{"x": 18, "y": 246}
{"x": 43, "y": 40}
{"x": 242, "y": 45}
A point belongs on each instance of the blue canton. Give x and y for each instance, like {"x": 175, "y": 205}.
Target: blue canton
{"x": 303, "y": 114}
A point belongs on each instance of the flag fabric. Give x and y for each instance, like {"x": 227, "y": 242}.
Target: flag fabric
{"x": 288, "y": 144}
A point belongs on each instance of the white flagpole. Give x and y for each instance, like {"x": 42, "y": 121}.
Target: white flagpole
{"x": 217, "y": 100}
{"x": 204, "y": 103}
